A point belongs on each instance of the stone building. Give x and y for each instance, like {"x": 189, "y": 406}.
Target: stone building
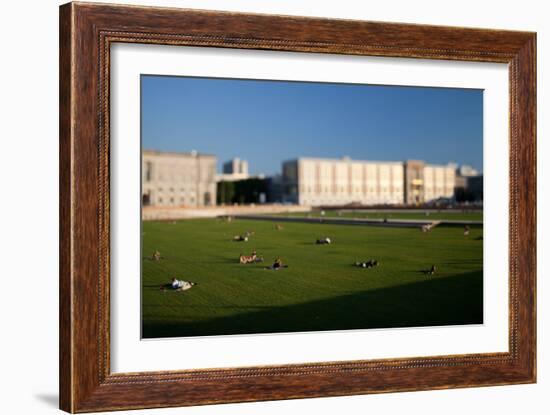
{"x": 316, "y": 182}
{"x": 428, "y": 182}
{"x": 235, "y": 166}
{"x": 178, "y": 179}
{"x": 234, "y": 170}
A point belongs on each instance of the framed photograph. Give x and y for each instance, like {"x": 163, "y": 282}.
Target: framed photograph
{"x": 259, "y": 207}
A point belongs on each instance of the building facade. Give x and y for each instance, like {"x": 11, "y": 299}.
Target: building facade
{"x": 178, "y": 179}
{"x": 467, "y": 171}
{"x": 428, "y": 182}
{"x": 234, "y": 170}
{"x": 325, "y": 182}
{"x": 313, "y": 181}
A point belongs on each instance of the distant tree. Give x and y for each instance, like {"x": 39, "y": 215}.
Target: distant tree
{"x": 242, "y": 191}
{"x": 225, "y": 193}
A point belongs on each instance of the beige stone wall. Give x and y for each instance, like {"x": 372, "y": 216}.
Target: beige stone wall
{"x": 439, "y": 181}
{"x": 343, "y": 181}
{"x": 178, "y": 179}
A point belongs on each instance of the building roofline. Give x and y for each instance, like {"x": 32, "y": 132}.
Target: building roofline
{"x": 341, "y": 160}
{"x": 177, "y": 153}
{"x": 448, "y": 165}
{"x": 366, "y": 161}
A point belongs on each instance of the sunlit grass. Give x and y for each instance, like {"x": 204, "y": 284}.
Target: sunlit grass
{"x": 320, "y": 289}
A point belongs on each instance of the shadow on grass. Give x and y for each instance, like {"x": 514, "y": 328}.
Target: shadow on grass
{"x": 221, "y": 260}
{"x": 438, "y": 301}
{"x": 465, "y": 262}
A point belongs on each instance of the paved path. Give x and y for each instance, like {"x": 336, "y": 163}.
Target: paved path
{"x": 397, "y": 223}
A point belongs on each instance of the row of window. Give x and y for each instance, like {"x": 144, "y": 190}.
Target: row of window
{"x": 172, "y": 200}
{"x": 438, "y": 190}
{"x": 339, "y": 202}
{"x": 207, "y": 199}
{"x": 357, "y": 190}
{"x": 187, "y": 174}
{"x": 181, "y": 178}
{"x": 172, "y": 190}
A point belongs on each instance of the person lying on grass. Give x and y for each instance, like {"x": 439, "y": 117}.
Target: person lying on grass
{"x": 249, "y": 259}
{"x": 178, "y": 285}
{"x": 323, "y": 241}
{"x": 367, "y": 264}
{"x": 277, "y": 264}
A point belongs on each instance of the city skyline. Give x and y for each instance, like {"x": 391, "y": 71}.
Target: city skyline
{"x": 241, "y": 118}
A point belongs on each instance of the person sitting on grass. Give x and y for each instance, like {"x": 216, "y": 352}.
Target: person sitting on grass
{"x": 431, "y": 271}
{"x": 156, "y": 256}
{"x": 277, "y": 264}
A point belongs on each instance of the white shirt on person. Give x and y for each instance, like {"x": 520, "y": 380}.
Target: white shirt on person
{"x": 177, "y": 284}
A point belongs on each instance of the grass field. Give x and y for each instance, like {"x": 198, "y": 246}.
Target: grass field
{"x": 441, "y": 215}
{"x": 320, "y": 290}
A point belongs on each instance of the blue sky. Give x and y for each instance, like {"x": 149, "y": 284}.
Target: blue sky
{"x": 266, "y": 122}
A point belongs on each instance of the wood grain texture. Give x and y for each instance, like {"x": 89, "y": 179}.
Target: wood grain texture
{"x": 86, "y": 33}
{"x": 65, "y": 245}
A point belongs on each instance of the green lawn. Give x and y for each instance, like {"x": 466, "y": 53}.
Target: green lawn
{"x": 441, "y": 215}
{"x": 320, "y": 290}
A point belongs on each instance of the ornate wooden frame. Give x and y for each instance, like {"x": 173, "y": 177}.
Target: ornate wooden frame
{"x": 86, "y": 33}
